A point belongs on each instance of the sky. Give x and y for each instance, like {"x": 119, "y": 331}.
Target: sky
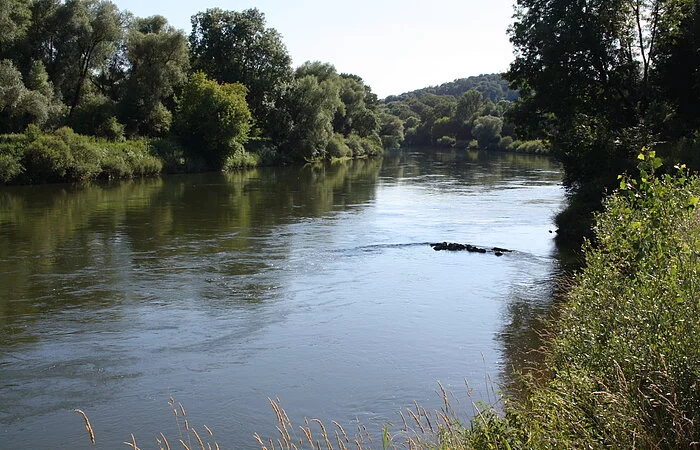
{"x": 396, "y": 46}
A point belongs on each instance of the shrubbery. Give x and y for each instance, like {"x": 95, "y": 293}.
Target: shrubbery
{"x": 64, "y": 155}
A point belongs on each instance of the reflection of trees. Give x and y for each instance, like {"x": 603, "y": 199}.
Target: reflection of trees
{"x": 62, "y": 246}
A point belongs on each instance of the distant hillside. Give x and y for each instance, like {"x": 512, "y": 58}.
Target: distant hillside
{"x": 492, "y": 86}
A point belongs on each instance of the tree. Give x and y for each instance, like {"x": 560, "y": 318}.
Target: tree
{"x": 312, "y": 105}
{"x": 212, "y": 119}
{"x": 15, "y": 18}
{"x": 74, "y": 40}
{"x": 391, "y": 130}
{"x": 24, "y": 103}
{"x": 158, "y": 58}
{"x": 468, "y": 106}
{"x": 237, "y": 47}
{"x": 579, "y": 68}
{"x": 487, "y": 130}
{"x": 677, "y": 67}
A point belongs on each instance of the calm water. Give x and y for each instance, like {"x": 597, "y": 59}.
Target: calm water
{"x": 313, "y": 285}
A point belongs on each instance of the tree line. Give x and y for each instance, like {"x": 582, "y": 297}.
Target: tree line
{"x": 465, "y": 113}
{"x": 224, "y": 96}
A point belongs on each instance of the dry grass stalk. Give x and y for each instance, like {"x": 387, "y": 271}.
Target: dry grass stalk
{"x": 167, "y": 446}
{"x": 87, "y": 425}
{"x": 307, "y": 433}
{"x": 416, "y": 419}
{"x": 184, "y": 445}
{"x": 132, "y": 444}
{"x": 260, "y": 441}
{"x": 199, "y": 440}
{"x": 345, "y": 436}
{"x": 403, "y": 419}
{"x": 324, "y": 434}
{"x": 208, "y": 430}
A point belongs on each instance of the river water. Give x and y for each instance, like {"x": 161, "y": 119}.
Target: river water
{"x": 315, "y": 285}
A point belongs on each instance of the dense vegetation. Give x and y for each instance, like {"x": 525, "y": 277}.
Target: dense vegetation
{"x": 599, "y": 80}
{"x": 623, "y": 362}
{"x": 110, "y": 76}
{"x": 466, "y": 113}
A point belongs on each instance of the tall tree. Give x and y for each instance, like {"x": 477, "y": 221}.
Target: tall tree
{"x": 158, "y": 58}
{"x": 233, "y": 47}
{"x": 15, "y": 18}
{"x": 312, "y": 105}
{"x": 580, "y": 68}
{"x": 677, "y": 58}
{"x": 85, "y": 36}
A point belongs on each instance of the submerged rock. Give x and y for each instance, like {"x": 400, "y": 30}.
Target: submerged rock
{"x": 454, "y": 247}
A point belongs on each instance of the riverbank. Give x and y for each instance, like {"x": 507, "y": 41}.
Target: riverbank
{"x": 623, "y": 357}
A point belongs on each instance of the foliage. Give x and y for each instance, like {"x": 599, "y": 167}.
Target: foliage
{"x": 448, "y": 120}
{"x": 64, "y": 155}
{"x": 600, "y": 80}
{"x": 236, "y": 47}
{"x": 337, "y": 148}
{"x": 491, "y": 86}
{"x": 240, "y": 159}
{"x": 212, "y": 119}
{"x": 158, "y": 58}
{"x": 20, "y": 104}
{"x": 487, "y": 130}
{"x": 624, "y": 362}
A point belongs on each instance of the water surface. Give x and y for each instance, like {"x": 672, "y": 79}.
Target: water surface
{"x": 314, "y": 285}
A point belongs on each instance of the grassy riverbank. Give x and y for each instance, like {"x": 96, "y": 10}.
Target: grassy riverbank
{"x": 623, "y": 359}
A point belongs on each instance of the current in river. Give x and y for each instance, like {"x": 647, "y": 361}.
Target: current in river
{"x": 315, "y": 285}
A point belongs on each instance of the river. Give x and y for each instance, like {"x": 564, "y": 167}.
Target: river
{"x": 315, "y": 285}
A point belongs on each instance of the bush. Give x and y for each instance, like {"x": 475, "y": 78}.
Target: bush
{"x": 64, "y": 155}
{"x": 212, "y": 119}
{"x": 11, "y": 151}
{"x": 240, "y": 159}
{"x": 111, "y": 129}
{"x": 47, "y": 159}
{"x": 337, "y": 148}
{"x": 354, "y": 142}
{"x": 10, "y": 168}
{"x": 447, "y": 142}
{"x": 372, "y": 145}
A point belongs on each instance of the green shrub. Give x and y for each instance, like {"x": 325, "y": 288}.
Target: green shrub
{"x": 447, "y": 142}
{"x": 10, "y": 168}
{"x": 240, "y": 159}
{"x": 354, "y": 142}
{"x": 115, "y": 166}
{"x": 372, "y": 145}
{"x": 47, "y": 159}
{"x": 337, "y": 148}
{"x": 111, "y": 129}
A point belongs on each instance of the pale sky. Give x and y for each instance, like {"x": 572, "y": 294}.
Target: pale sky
{"x": 394, "y": 45}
